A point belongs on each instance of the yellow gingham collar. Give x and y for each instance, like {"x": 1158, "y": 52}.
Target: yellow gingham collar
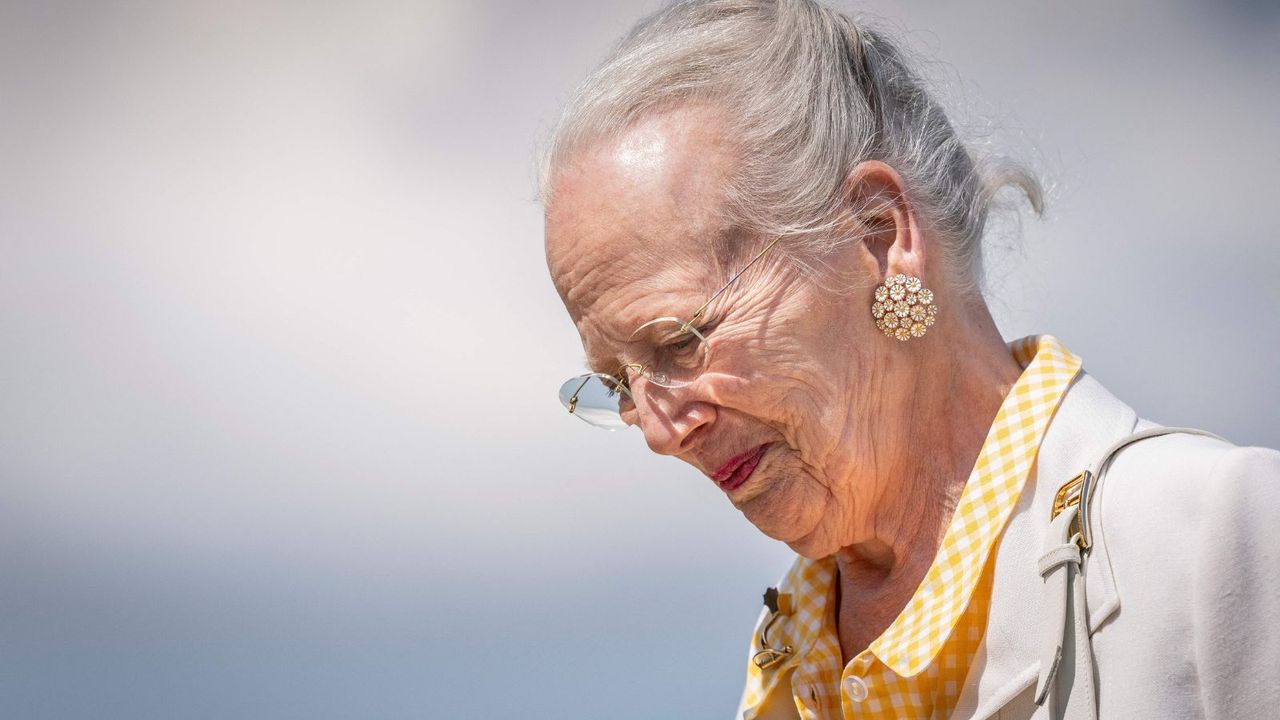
{"x": 918, "y": 633}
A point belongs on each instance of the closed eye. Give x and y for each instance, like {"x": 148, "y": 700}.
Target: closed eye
{"x": 681, "y": 344}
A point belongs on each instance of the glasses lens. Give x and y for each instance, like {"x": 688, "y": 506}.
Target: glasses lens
{"x": 596, "y": 399}
{"x": 672, "y": 354}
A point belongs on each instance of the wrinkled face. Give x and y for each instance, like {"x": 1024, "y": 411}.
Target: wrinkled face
{"x": 779, "y": 419}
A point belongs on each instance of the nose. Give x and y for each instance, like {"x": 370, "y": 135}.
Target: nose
{"x": 670, "y": 418}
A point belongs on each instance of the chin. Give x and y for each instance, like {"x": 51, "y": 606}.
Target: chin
{"x": 791, "y": 511}
{"x": 813, "y": 546}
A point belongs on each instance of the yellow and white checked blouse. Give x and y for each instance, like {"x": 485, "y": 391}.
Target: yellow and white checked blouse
{"x": 917, "y": 667}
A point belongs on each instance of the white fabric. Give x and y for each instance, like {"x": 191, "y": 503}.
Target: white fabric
{"x": 1183, "y": 579}
{"x": 1066, "y": 683}
{"x": 1059, "y": 566}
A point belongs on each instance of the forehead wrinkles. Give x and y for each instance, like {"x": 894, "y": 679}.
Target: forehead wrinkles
{"x": 594, "y": 263}
{"x": 592, "y": 272}
{"x": 659, "y": 185}
{"x": 609, "y": 321}
{"x": 635, "y": 226}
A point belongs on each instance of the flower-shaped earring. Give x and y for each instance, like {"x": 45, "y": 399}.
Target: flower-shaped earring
{"x": 903, "y": 307}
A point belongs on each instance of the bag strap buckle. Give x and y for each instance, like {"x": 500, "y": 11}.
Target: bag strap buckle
{"x": 1071, "y": 494}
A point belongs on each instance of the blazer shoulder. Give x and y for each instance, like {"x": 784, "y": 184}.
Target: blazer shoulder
{"x": 1249, "y": 471}
{"x": 1193, "y": 552}
{"x": 1180, "y": 472}
{"x": 1238, "y": 505}
{"x": 1173, "y": 501}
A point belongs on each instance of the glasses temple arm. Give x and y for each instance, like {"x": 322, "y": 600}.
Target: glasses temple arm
{"x": 697, "y": 315}
{"x": 573, "y": 399}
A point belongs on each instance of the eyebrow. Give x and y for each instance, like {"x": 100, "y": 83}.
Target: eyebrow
{"x": 594, "y": 366}
{"x": 723, "y": 252}
{"x": 596, "y": 360}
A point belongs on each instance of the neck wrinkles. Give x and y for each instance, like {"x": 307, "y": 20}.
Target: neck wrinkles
{"x": 957, "y": 385}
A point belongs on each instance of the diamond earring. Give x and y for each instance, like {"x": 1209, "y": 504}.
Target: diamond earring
{"x": 903, "y": 307}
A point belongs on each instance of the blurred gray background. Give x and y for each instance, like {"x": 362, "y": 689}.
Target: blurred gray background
{"x": 278, "y": 352}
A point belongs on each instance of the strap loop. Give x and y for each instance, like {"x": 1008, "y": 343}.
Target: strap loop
{"x": 1058, "y": 556}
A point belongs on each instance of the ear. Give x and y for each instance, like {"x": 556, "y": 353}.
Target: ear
{"x": 880, "y": 211}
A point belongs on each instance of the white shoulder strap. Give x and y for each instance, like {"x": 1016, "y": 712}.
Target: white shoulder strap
{"x": 1094, "y": 475}
{"x": 1066, "y": 654}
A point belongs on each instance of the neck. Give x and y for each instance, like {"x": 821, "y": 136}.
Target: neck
{"x": 953, "y": 386}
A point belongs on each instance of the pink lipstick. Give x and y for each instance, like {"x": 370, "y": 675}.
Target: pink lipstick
{"x": 735, "y": 472}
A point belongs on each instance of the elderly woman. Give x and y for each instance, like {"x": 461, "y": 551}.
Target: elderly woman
{"x": 768, "y": 235}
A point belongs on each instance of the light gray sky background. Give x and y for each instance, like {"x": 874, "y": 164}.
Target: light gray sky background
{"x": 278, "y": 352}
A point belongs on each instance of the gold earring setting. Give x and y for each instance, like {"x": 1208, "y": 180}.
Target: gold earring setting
{"x": 903, "y": 307}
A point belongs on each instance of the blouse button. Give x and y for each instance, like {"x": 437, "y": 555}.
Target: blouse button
{"x": 855, "y": 688}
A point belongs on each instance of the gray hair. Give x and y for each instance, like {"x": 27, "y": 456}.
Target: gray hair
{"x": 809, "y": 93}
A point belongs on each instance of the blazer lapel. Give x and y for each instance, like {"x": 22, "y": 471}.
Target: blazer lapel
{"x": 1087, "y": 421}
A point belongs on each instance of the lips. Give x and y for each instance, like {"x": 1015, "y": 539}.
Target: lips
{"x": 733, "y": 473}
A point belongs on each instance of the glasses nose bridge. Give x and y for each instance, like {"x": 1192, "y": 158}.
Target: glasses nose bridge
{"x": 656, "y": 391}
{"x": 624, "y": 367}
{"x": 657, "y": 377}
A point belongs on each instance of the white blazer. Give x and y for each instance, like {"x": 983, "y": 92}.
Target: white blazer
{"x": 1182, "y": 582}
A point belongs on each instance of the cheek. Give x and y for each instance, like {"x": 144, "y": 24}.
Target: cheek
{"x": 791, "y": 505}
{"x": 795, "y": 399}
{"x": 773, "y": 370}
